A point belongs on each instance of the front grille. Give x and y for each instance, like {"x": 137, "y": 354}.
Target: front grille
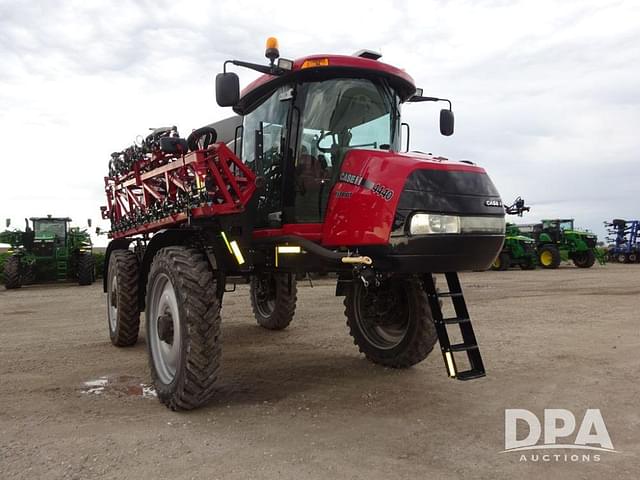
{"x": 43, "y": 249}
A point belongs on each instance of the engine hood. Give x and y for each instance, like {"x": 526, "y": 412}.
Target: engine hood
{"x": 376, "y": 190}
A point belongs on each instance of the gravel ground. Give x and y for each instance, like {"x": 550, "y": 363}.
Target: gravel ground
{"x": 302, "y": 403}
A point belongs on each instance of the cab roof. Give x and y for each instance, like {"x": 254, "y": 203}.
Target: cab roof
{"x": 320, "y": 67}
{"x": 61, "y": 219}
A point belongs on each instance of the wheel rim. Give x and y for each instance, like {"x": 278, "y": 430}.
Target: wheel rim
{"x": 496, "y": 263}
{"x": 621, "y": 258}
{"x": 112, "y": 300}
{"x": 265, "y": 295}
{"x": 382, "y": 315}
{"x": 546, "y": 258}
{"x": 164, "y": 328}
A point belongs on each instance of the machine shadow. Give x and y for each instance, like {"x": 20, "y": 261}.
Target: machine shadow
{"x": 263, "y": 366}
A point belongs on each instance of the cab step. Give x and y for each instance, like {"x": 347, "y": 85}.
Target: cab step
{"x": 462, "y": 319}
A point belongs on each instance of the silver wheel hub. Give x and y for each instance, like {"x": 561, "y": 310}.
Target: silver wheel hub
{"x": 112, "y": 301}
{"x": 164, "y": 328}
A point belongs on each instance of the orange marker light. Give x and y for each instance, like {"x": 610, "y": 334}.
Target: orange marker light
{"x": 315, "y": 62}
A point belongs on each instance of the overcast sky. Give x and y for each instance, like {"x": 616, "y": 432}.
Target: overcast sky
{"x": 546, "y": 94}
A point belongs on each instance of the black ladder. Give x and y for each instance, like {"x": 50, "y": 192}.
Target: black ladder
{"x": 469, "y": 343}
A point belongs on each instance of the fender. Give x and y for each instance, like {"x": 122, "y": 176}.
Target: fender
{"x": 171, "y": 238}
{"x": 165, "y": 238}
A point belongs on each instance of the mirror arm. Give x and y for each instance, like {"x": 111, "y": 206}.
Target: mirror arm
{"x": 266, "y": 69}
{"x": 416, "y": 99}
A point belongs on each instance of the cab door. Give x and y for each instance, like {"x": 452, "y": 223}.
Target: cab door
{"x": 264, "y": 150}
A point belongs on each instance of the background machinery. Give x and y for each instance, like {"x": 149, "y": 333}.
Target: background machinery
{"x": 48, "y": 250}
{"x": 313, "y": 180}
{"x": 517, "y": 249}
{"x": 624, "y": 240}
{"x": 557, "y": 240}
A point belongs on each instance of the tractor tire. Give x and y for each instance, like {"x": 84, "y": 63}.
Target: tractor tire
{"x": 273, "y": 299}
{"x": 183, "y": 327}
{"x": 633, "y": 257}
{"x": 86, "y": 269}
{"x": 549, "y": 257}
{"x": 529, "y": 264}
{"x": 12, "y": 273}
{"x": 622, "y": 258}
{"x": 391, "y": 324}
{"x": 584, "y": 259}
{"x": 502, "y": 262}
{"x": 123, "y": 311}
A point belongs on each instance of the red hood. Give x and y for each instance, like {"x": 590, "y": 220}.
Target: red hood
{"x": 363, "y": 203}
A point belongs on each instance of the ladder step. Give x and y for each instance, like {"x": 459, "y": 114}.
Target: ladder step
{"x": 454, "y": 320}
{"x": 470, "y": 374}
{"x": 462, "y": 347}
{"x": 450, "y": 294}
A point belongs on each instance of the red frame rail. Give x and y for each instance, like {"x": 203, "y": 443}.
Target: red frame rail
{"x": 229, "y": 185}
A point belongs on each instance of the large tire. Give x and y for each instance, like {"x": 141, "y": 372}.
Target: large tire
{"x": 391, "y": 324}
{"x": 12, "y": 273}
{"x": 183, "y": 328}
{"x": 502, "y": 262}
{"x": 86, "y": 269}
{"x": 273, "y": 299}
{"x": 584, "y": 259}
{"x": 633, "y": 257}
{"x": 123, "y": 310}
{"x": 622, "y": 258}
{"x": 549, "y": 257}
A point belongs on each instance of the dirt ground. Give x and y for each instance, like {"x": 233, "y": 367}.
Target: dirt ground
{"x": 302, "y": 403}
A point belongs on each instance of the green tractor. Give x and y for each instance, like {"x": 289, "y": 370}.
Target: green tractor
{"x": 517, "y": 248}
{"x": 557, "y": 240}
{"x": 50, "y": 250}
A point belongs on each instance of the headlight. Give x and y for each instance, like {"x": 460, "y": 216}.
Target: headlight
{"x": 428, "y": 223}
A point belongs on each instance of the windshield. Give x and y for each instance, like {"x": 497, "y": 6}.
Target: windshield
{"x": 566, "y": 225}
{"x": 51, "y": 227}
{"x": 348, "y": 113}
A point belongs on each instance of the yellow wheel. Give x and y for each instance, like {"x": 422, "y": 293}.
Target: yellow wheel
{"x": 549, "y": 257}
{"x": 502, "y": 262}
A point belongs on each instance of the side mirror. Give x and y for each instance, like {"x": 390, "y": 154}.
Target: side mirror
{"x": 8, "y": 222}
{"x": 89, "y": 222}
{"x": 227, "y": 89}
{"x": 446, "y": 122}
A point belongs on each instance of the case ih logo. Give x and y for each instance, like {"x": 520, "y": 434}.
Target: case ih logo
{"x": 493, "y": 203}
{"x": 376, "y": 188}
{"x": 558, "y": 423}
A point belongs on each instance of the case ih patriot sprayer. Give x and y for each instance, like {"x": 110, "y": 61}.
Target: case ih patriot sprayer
{"x": 312, "y": 181}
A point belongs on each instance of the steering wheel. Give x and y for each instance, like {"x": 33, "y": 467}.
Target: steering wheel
{"x": 201, "y": 138}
